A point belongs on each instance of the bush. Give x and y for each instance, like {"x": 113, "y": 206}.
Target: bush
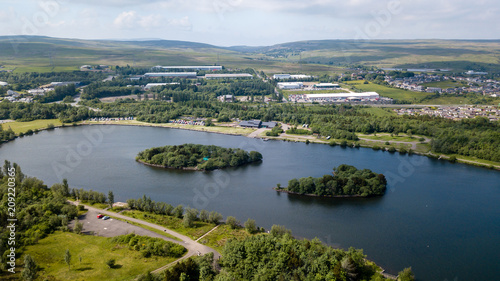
{"x": 391, "y": 149}
{"x": 343, "y": 143}
{"x": 250, "y": 226}
{"x": 232, "y": 222}
{"x": 332, "y": 143}
{"x": 453, "y": 159}
{"x": 111, "y": 263}
{"x": 376, "y": 147}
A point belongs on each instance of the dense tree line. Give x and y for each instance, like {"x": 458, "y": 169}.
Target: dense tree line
{"x": 197, "y": 156}
{"x": 98, "y": 91}
{"x": 346, "y": 181}
{"x": 188, "y": 214}
{"x": 278, "y": 256}
{"x": 39, "y": 210}
{"x": 149, "y": 246}
{"x": 58, "y": 93}
{"x": 30, "y": 80}
{"x": 6, "y": 135}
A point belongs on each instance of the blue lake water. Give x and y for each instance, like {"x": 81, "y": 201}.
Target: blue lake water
{"x": 440, "y": 218}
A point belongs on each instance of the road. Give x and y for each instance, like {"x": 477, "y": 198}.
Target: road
{"x": 256, "y": 133}
{"x": 111, "y": 227}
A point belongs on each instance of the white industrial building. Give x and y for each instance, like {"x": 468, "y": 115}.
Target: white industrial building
{"x": 171, "y": 74}
{"x": 282, "y": 76}
{"x": 3, "y": 83}
{"x": 193, "y": 67}
{"x": 290, "y": 85}
{"x": 326, "y": 86}
{"x": 300, "y": 76}
{"x": 342, "y": 96}
{"x": 288, "y": 76}
{"x": 228, "y": 75}
{"x": 152, "y": 85}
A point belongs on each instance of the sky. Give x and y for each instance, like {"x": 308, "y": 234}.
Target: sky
{"x": 252, "y": 22}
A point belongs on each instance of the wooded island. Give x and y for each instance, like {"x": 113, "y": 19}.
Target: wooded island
{"x": 197, "y": 157}
{"x": 346, "y": 181}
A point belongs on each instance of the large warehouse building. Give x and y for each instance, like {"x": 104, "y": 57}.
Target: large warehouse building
{"x": 228, "y": 76}
{"x": 290, "y": 85}
{"x": 342, "y": 96}
{"x": 171, "y": 74}
{"x": 193, "y": 67}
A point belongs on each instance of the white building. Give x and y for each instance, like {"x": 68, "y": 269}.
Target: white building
{"x": 171, "y": 74}
{"x": 326, "y": 86}
{"x": 342, "y": 96}
{"x": 36, "y": 91}
{"x": 152, "y": 85}
{"x": 195, "y": 67}
{"x": 300, "y": 76}
{"x": 290, "y": 85}
{"x": 3, "y": 83}
{"x": 282, "y": 76}
{"x": 228, "y": 75}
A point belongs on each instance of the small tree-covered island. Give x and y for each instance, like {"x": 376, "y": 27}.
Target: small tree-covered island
{"x": 346, "y": 181}
{"x": 196, "y": 157}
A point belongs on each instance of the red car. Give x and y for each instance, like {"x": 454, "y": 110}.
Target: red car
{"x": 100, "y": 216}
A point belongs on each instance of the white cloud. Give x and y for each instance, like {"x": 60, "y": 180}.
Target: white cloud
{"x": 126, "y": 19}
{"x": 182, "y": 23}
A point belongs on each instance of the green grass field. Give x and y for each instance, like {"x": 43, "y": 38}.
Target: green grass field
{"x": 378, "y": 112}
{"x": 172, "y": 223}
{"x": 389, "y": 92}
{"x": 94, "y": 252}
{"x": 22, "y": 127}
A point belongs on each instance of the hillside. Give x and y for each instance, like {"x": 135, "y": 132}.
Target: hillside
{"x": 38, "y": 53}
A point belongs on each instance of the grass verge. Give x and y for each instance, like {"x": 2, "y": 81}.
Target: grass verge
{"x": 94, "y": 251}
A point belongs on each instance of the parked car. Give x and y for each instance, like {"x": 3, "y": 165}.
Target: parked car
{"x": 105, "y": 218}
{"x": 100, "y": 216}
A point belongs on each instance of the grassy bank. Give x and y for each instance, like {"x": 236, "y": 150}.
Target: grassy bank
{"x": 94, "y": 251}
{"x": 219, "y": 237}
{"x": 23, "y": 127}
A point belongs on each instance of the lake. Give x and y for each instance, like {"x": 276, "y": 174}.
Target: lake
{"x": 442, "y": 219}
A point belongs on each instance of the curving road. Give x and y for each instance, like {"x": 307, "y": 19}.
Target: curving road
{"x": 110, "y": 228}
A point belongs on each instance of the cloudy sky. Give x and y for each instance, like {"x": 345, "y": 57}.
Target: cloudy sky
{"x": 252, "y": 22}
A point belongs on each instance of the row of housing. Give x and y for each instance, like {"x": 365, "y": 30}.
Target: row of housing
{"x": 454, "y": 112}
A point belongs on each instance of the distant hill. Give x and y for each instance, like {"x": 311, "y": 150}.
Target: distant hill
{"x": 41, "y": 53}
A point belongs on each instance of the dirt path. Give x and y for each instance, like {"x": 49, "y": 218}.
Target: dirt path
{"x": 413, "y": 144}
{"x": 256, "y": 133}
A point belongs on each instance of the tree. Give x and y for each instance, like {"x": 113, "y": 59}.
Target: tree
{"x": 232, "y": 222}
{"x": 178, "y": 211}
{"x": 30, "y": 269}
{"x": 78, "y": 227}
{"x": 204, "y": 215}
{"x": 111, "y": 198}
{"x": 406, "y": 275}
{"x": 189, "y": 217}
{"x": 214, "y": 217}
{"x": 67, "y": 258}
{"x": 251, "y": 226}
{"x": 279, "y": 230}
